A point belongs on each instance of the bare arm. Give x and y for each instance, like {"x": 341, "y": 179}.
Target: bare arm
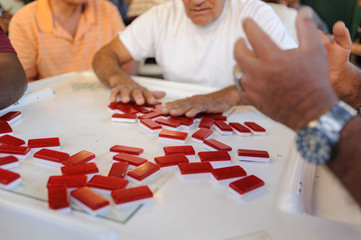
{"x": 216, "y": 102}
{"x": 107, "y": 64}
{"x": 13, "y": 82}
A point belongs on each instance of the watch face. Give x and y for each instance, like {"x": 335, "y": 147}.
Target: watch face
{"x": 314, "y": 146}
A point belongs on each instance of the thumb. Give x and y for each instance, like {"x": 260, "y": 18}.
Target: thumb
{"x": 342, "y": 35}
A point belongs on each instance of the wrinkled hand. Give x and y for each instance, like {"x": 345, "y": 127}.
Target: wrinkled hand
{"x": 127, "y": 89}
{"x": 291, "y": 86}
{"x": 344, "y": 76}
{"x": 215, "y": 102}
{"x": 338, "y": 49}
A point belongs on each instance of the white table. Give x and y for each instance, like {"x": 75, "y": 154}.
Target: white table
{"x": 301, "y": 202}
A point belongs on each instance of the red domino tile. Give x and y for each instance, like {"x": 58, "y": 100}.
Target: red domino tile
{"x": 171, "y": 160}
{"x": 51, "y": 155}
{"x": 150, "y": 125}
{"x": 58, "y": 199}
{"x": 150, "y": 115}
{"x": 71, "y": 181}
{"x": 222, "y": 127}
{"x": 255, "y": 128}
{"x": 124, "y": 117}
{"x": 11, "y": 140}
{"x": 158, "y": 108}
{"x": 253, "y": 155}
{"x": 168, "y": 123}
{"x": 44, "y": 142}
{"x": 11, "y": 117}
{"x": 141, "y": 109}
{"x": 79, "y": 169}
{"x": 8, "y": 162}
{"x": 118, "y": 169}
{"x": 186, "y": 150}
{"x": 246, "y": 184}
{"x": 91, "y": 199}
{"x": 131, "y": 159}
{"x": 228, "y": 172}
{"x": 5, "y": 128}
{"x": 143, "y": 171}
{"x": 201, "y": 135}
{"x": 126, "y": 149}
{"x": 156, "y": 104}
{"x": 14, "y": 150}
{"x": 183, "y": 120}
{"x": 239, "y": 129}
{"x": 214, "y": 156}
{"x": 206, "y": 123}
{"x": 216, "y": 116}
{"x": 216, "y": 145}
{"x": 107, "y": 183}
{"x": 122, "y": 107}
{"x": 128, "y": 195}
{"x": 8, "y": 178}
{"x": 173, "y": 134}
{"x": 195, "y": 167}
{"x": 80, "y": 157}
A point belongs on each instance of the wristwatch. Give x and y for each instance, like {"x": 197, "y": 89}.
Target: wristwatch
{"x": 317, "y": 141}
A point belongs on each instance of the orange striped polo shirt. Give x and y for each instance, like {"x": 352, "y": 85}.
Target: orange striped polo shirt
{"x": 46, "y": 49}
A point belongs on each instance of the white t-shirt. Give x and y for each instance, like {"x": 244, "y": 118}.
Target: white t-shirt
{"x": 288, "y": 16}
{"x": 198, "y": 54}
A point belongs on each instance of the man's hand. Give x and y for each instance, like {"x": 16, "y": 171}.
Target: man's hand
{"x": 127, "y": 89}
{"x": 216, "y": 102}
{"x": 338, "y": 49}
{"x": 344, "y": 76}
{"x": 291, "y": 86}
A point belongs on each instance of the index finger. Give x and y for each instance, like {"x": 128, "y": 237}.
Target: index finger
{"x": 342, "y": 35}
{"x": 307, "y": 32}
{"x": 262, "y": 44}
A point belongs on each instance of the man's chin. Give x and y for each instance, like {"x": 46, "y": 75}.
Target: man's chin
{"x": 200, "y": 21}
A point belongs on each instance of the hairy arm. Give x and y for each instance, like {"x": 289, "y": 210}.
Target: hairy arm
{"x": 13, "y": 82}
{"x": 108, "y": 63}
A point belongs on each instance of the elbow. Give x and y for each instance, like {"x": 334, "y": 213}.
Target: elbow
{"x": 13, "y": 89}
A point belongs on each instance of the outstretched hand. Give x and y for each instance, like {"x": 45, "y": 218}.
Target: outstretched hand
{"x": 291, "y": 86}
{"x": 215, "y": 102}
{"x": 127, "y": 90}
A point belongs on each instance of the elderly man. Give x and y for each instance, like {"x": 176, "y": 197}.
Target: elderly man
{"x": 192, "y": 41}
{"x": 328, "y": 130}
{"x": 53, "y": 37}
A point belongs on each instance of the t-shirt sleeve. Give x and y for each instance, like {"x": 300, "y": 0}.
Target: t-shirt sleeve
{"x": 139, "y": 36}
{"x": 274, "y": 27}
{"x": 5, "y": 45}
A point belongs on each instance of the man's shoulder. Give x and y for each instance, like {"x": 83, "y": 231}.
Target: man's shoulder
{"x": 28, "y": 11}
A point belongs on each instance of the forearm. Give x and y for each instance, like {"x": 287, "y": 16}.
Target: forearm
{"x": 346, "y": 164}
{"x": 108, "y": 69}
{"x": 13, "y": 82}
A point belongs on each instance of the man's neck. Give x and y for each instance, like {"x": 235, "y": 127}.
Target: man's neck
{"x": 65, "y": 10}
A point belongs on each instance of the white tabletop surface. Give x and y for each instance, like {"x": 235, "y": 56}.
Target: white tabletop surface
{"x": 300, "y": 201}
